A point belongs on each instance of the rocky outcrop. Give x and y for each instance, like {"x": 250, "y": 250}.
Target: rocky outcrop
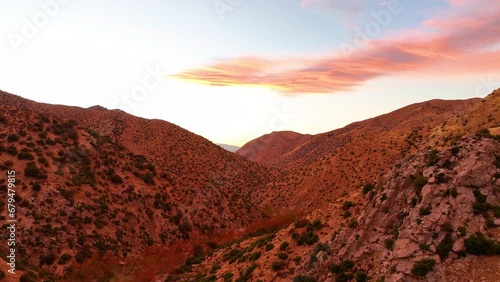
{"x": 426, "y": 205}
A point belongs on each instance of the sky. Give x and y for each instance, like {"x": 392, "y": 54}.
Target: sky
{"x": 233, "y": 70}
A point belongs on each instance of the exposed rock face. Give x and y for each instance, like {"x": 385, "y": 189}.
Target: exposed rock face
{"x": 416, "y": 222}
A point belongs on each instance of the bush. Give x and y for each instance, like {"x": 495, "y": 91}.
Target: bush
{"x": 48, "y": 259}
{"x": 269, "y": 246}
{"x": 278, "y": 265}
{"x": 43, "y": 161}
{"x": 12, "y": 138}
{"x": 2, "y": 274}
{"x": 425, "y": 211}
{"x": 24, "y": 155}
{"x": 367, "y": 188}
{"x": 419, "y": 182}
{"x": 389, "y": 243}
{"x": 32, "y": 170}
{"x": 316, "y": 224}
{"x": 26, "y": 277}
{"x": 423, "y": 266}
{"x": 284, "y": 245}
{"x": 254, "y": 256}
{"x": 341, "y": 267}
{"x": 116, "y": 179}
{"x": 347, "y": 205}
{"x": 445, "y": 246}
{"x": 361, "y": 277}
{"x": 282, "y": 256}
{"x": 12, "y": 150}
{"x": 477, "y": 244}
{"x": 308, "y": 238}
{"x": 36, "y": 186}
{"x": 353, "y": 223}
{"x": 64, "y": 259}
{"x": 303, "y": 278}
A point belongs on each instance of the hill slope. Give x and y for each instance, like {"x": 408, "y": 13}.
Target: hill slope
{"x": 93, "y": 181}
{"x": 435, "y": 216}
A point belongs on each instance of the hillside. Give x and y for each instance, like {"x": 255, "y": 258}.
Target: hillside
{"x": 103, "y": 195}
{"x": 435, "y": 216}
{"x": 343, "y": 160}
{"x": 268, "y": 148}
{"x": 93, "y": 182}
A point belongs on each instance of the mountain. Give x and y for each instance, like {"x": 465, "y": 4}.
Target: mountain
{"x": 270, "y": 147}
{"x": 433, "y": 214}
{"x": 229, "y": 148}
{"x": 342, "y": 160}
{"x": 93, "y": 182}
{"x": 102, "y": 195}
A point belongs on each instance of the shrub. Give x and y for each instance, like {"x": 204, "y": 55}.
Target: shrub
{"x": 11, "y": 150}
{"x": 284, "y": 245}
{"x": 32, "y": 170}
{"x": 441, "y": 178}
{"x": 2, "y": 274}
{"x": 64, "y": 259}
{"x": 254, "y": 256}
{"x": 425, "y": 211}
{"x": 26, "y": 277}
{"x": 383, "y": 197}
{"x": 316, "y": 224}
{"x": 43, "y": 161}
{"x": 47, "y": 259}
{"x": 361, "y": 277}
{"x": 12, "y": 138}
{"x": 278, "y": 265}
{"x": 454, "y": 192}
{"x": 367, "y": 188}
{"x": 341, "y": 267}
{"x": 419, "y": 182}
{"x": 389, "y": 243}
{"x": 303, "y": 278}
{"x": 347, "y": 205}
{"x": 269, "y": 246}
{"x": 445, "y": 246}
{"x": 116, "y": 179}
{"x": 228, "y": 276}
{"x": 36, "y": 186}
{"x": 282, "y": 256}
{"x": 462, "y": 230}
{"x": 477, "y": 244}
{"x": 308, "y": 238}
{"x": 25, "y": 155}
{"x": 432, "y": 157}
{"x": 423, "y": 266}
{"x": 301, "y": 223}
{"x": 353, "y": 223}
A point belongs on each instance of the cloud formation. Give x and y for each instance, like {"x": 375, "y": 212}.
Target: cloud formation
{"x": 453, "y": 42}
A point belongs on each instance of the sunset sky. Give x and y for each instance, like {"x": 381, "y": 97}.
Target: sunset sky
{"x": 232, "y": 70}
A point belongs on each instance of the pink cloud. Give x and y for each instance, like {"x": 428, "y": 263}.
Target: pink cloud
{"x": 461, "y": 44}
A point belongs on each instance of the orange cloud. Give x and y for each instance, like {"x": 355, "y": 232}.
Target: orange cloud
{"x": 456, "y": 42}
